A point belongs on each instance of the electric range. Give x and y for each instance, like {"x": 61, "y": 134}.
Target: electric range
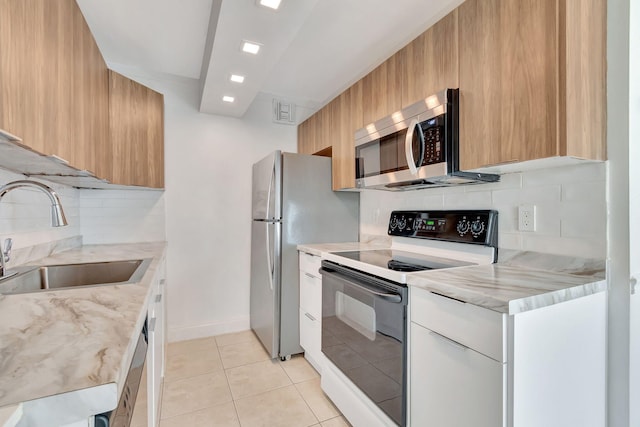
{"x": 428, "y": 240}
{"x": 365, "y": 297}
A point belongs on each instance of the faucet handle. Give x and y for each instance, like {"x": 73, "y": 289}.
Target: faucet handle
{"x": 8, "y": 243}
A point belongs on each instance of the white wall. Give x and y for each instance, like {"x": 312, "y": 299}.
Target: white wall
{"x": 208, "y": 163}
{"x": 25, "y": 214}
{"x": 570, "y": 208}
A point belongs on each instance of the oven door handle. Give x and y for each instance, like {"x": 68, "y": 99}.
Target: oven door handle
{"x": 387, "y": 296}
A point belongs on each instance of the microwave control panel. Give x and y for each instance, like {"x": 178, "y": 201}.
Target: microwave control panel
{"x": 433, "y": 131}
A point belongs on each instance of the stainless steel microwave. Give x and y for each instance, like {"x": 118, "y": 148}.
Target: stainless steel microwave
{"x": 416, "y": 147}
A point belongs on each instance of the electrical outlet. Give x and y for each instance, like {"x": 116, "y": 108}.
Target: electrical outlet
{"x": 527, "y": 218}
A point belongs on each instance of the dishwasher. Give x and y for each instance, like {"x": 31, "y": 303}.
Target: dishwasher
{"x": 122, "y": 414}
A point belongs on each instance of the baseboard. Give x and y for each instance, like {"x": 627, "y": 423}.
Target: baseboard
{"x": 208, "y": 330}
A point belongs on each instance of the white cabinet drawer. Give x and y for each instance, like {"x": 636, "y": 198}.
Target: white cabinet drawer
{"x": 452, "y": 385}
{"x": 310, "y": 264}
{"x": 475, "y": 327}
{"x": 311, "y": 294}
{"x": 310, "y": 334}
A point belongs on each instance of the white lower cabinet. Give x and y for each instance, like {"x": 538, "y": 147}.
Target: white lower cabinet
{"x": 470, "y": 366}
{"x": 453, "y": 385}
{"x": 311, "y": 309}
{"x": 456, "y": 363}
{"x": 147, "y": 409}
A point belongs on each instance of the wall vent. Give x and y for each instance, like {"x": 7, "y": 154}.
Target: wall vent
{"x": 284, "y": 112}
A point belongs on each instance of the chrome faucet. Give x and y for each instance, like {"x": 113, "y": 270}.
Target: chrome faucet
{"x": 5, "y": 256}
{"x": 57, "y": 214}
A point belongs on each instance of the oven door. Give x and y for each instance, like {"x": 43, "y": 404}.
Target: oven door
{"x": 364, "y": 334}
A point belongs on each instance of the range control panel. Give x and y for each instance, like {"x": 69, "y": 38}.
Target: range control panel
{"x": 463, "y": 226}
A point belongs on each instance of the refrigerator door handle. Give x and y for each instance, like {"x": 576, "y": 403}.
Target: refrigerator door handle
{"x": 269, "y": 197}
{"x": 269, "y": 260}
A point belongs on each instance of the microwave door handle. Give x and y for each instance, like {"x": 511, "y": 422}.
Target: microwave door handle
{"x": 408, "y": 147}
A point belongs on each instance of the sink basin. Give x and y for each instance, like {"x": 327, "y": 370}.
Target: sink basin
{"x": 70, "y": 276}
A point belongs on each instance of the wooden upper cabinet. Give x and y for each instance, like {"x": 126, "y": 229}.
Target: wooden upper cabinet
{"x": 583, "y": 93}
{"x": 307, "y": 136}
{"x": 382, "y": 90}
{"x": 517, "y": 101}
{"x": 136, "y": 122}
{"x": 431, "y": 61}
{"x": 54, "y": 81}
{"x": 324, "y": 132}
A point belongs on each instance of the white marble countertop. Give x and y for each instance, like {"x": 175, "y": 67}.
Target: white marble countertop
{"x": 519, "y": 282}
{"x": 63, "y": 341}
{"x": 507, "y": 289}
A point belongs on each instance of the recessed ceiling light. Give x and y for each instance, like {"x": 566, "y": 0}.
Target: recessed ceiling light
{"x": 250, "y": 47}
{"x": 236, "y": 78}
{"x": 227, "y": 98}
{"x": 273, "y": 4}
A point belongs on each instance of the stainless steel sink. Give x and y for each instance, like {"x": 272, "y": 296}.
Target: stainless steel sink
{"x": 70, "y": 276}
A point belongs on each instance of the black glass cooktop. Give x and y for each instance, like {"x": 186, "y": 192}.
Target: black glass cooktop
{"x": 401, "y": 260}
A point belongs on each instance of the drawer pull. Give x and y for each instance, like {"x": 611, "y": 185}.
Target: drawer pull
{"x": 448, "y": 297}
{"x": 158, "y": 297}
{"x": 310, "y": 317}
{"x": 152, "y": 324}
{"x": 311, "y": 276}
{"x": 449, "y": 341}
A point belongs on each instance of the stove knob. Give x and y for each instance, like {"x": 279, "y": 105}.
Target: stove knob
{"x": 402, "y": 223}
{"x": 477, "y": 227}
{"x": 393, "y": 223}
{"x": 462, "y": 227}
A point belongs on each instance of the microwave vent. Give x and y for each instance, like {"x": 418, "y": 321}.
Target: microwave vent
{"x": 284, "y": 112}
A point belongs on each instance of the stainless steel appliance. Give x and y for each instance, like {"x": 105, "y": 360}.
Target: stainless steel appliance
{"x": 364, "y": 298}
{"x": 121, "y": 416}
{"x": 292, "y": 203}
{"x": 416, "y": 147}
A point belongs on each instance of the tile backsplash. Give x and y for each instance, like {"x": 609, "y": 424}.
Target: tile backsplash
{"x": 94, "y": 216}
{"x": 570, "y": 208}
{"x": 25, "y": 214}
{"x": 122, "y": 216}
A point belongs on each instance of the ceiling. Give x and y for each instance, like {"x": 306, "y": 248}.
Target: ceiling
{"x": 311, "y": 49}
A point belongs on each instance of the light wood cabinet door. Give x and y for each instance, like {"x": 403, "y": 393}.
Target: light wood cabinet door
{"x": 324, "y": 131}
{"x": 583, "y": 92}
{"x": 508, "y": 81}
{"x": 431, "y": 61}
{"x": 382, "y": 90}
{"x": 54, "y": 81}
{"x": 306, "y": 136}
{"x": 351, "y": 119}
{"x": 136, "y": 127}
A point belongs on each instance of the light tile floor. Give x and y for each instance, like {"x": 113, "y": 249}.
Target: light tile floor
{"x": 229, "y": 380}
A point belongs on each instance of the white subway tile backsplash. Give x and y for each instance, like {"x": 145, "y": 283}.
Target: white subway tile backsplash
{"x": 587, "y": 191}
{"x": 589, "y": 171}
{"x": 570, "y": 208}
{"x": 122, "y": 216}
{"x": 578, "y": 247}
{"x": 547, "y": 220}
{"x": 473, "y": 200}
{"x": 510, "y": 240}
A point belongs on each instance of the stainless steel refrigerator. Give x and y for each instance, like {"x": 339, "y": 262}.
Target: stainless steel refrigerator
{"x": 292, "y": 203}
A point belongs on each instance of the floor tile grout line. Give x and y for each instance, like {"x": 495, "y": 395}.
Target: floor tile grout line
{"x": 234, "y": 400}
